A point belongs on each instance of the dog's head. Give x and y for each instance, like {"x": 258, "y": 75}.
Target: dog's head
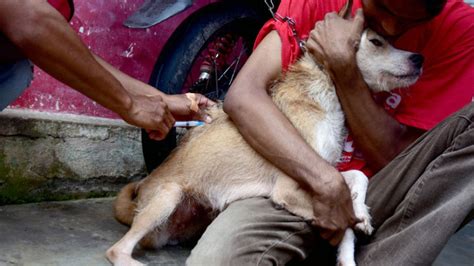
{"x": 384, "y": 67}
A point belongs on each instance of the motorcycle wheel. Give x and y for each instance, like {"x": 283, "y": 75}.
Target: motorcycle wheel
{"x": 228, "y": 31}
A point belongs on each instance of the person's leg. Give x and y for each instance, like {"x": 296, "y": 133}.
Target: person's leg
{"x": 253, "y": 232}
{"x": 14, "y": 79}
{"x": 421, "y": 198}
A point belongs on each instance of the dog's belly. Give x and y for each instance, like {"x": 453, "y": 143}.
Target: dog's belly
{"x": 222, "y": 194}
{"x": 187, "y": 223}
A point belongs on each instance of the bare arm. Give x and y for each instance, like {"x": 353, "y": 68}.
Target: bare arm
{"x": 379, "y": 136}
{"x": 45, "y": 37}
{"x": 178, "y": 104}
{"x": 271, "y": 134}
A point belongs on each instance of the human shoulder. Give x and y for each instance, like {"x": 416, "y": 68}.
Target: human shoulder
{"x": 309, "y": 10}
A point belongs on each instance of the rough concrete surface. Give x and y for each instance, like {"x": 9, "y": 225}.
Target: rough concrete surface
{"x": 47, "y": 156}
{"x": 68, "y": 233}
{"x": 79, "y": 232}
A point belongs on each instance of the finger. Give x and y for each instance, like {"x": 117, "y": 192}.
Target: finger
{"x": 326, "y": 234}
{"x": 354, "y": 221}
{"x": 168, "y": 119}
{"x": 330, "y": 16}
{"x": 336, "y": 238}
{"x": 203, "y": 116}
{"x": 316, "y": 51}
{"x": 204, "y": 101}
{"x": 155, "y": 135}
{"x": 359, "y": 21}
{"x": 324, "y": 224}
{"x": 161, "y": 129}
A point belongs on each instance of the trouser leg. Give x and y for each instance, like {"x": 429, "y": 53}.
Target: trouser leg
{"x": 14, "y": 78}
{"x": 421, "y": 198}
{"x": 253, "y": 232}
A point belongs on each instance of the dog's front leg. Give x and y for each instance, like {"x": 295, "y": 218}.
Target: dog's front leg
{"x": 154, "y": 214}
{"x": 358, "y": 182}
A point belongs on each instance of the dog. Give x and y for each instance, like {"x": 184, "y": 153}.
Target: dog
{"x": 214, "y": 166}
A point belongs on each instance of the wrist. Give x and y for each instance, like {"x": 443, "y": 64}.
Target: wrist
{"x": 324, "y": 180}
{"x": 346, "y": 77}
{"x": 123, "y": 104}
{"x": 344, "y": 68}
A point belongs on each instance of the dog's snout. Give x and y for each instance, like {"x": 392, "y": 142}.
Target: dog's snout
{"x": 417, "y": 60}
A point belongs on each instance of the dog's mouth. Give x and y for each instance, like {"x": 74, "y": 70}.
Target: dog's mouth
{"x": 407, "y": 76}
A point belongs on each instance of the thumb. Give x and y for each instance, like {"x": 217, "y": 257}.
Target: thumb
{"x": 204, "y": 102}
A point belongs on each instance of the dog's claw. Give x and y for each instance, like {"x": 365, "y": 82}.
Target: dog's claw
{"x": 365, "y": 226}
{"x": 121, "y": 259}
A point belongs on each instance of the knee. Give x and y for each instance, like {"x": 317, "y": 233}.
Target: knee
{"x": 225, "y": 249}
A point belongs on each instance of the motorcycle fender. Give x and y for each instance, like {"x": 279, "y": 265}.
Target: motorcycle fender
{"x": 153, "y": 12}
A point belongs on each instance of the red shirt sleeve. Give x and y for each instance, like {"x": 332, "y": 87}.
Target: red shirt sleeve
{"x": 305, "y": 14}
{"x": 65, "y": 7}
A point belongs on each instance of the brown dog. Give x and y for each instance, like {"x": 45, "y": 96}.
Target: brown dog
{"x": 214, "y": 166}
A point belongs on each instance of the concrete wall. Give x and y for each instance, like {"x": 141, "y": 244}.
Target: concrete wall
{"x": 45, "y": 156}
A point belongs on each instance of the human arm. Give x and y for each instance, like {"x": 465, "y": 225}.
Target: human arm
{"x": 272, "y": 135}
{"x": 45, "y": 37}
{"x": 378, "y": 135}
{"x": 178, "y": 104}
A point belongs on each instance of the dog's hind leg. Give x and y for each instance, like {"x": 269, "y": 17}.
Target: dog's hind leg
{"x": 154, "y": 214}
{"x": 345, "y": 252}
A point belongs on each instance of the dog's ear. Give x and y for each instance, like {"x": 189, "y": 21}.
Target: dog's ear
{"x": 345, "y": 11}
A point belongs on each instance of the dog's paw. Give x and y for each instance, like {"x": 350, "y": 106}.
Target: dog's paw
{"x": 362, "y": 213}
{"x": 121, "y": 259}
{"x": 365, "y": 226}
{"x": 345, "y": 262}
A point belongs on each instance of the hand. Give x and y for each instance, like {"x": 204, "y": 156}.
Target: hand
{"x": 151, "y": 113}
{"x": 334, "y": 41}
{"x": 180, "y": 106}
{"x": 332, "y": 207}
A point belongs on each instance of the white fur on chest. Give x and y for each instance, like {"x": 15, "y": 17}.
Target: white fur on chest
{"x": 329, "y": 131}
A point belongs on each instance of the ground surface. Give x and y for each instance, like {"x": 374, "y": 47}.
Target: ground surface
{"x": 79, "y": 232}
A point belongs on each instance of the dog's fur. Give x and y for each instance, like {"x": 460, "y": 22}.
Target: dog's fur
{"x": 214, "y": 166}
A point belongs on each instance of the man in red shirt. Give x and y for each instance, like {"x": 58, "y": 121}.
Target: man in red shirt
{"x": 418, "y": 199}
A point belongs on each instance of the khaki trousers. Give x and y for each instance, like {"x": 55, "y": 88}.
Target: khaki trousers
{"x": 417, "y": 202}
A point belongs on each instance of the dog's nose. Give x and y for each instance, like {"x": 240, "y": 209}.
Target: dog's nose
{"x": 417, "y": 60}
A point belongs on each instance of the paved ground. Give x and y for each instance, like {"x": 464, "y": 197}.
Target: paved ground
{"x": 79, "y": 232}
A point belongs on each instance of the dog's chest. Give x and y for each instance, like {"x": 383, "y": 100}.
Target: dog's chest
{"x": 307, "y": 96}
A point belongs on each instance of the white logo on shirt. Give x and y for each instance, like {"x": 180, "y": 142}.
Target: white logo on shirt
{"x": 393, "y": 100}
{"x": 348, "y": 146}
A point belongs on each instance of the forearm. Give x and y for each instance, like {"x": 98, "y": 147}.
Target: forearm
{"x": 272, "y": 135}
{"x": 68, "y": 60}
{"x": 130, "y": 84}
{"x": 379, "y": 136}
{"x": 264, "y": 126}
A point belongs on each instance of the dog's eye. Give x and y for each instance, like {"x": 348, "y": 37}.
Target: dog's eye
{"x": 376, "y": 42}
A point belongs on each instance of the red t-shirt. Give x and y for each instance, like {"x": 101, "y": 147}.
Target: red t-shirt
{"x": 446, "y": 85}
{"x": 65, "y": 7}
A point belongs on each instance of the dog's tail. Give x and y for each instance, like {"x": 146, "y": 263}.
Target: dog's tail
{"x": 125, "y": 205}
